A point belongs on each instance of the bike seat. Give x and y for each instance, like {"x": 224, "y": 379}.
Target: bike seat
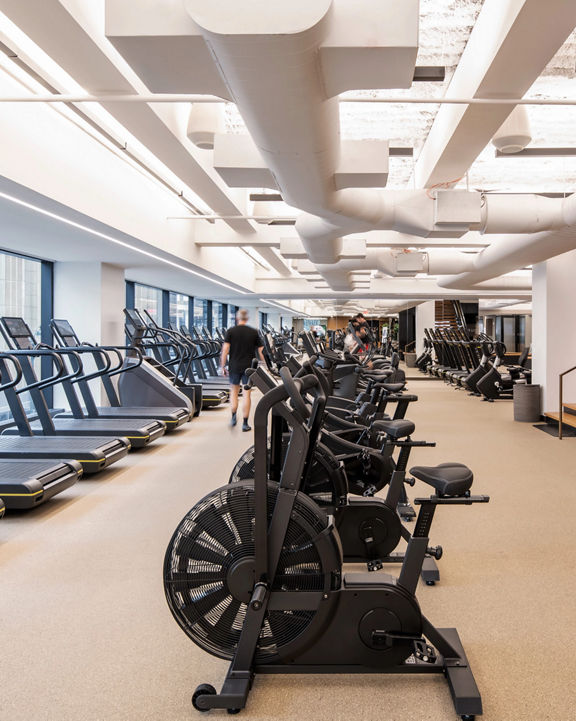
{"x": 376, "y": 373}
{"x": 392, "y": 387}
{"x": 449, "y": 479}
{"x": 395, "y": 429}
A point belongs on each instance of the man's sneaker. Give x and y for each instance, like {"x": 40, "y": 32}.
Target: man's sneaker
{"x": 233, "y": 420}
{"x": 245, "y": 426}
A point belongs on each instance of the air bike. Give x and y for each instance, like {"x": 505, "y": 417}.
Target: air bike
{"x": 253, "y": 574}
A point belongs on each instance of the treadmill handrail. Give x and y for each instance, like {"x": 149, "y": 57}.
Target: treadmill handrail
{"x": 51, "y": 380}
{"x": 119, "y": 367}
{"x": 17, "y": 367}
{"x": 79, "y": 375}
{"x": 117, "y": 370}
{"x": 99, "y": 372}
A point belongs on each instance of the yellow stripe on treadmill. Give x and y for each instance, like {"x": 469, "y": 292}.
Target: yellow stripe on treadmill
{"x": 5, "y": 495}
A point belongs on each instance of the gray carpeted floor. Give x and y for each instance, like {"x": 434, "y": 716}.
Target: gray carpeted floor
{"x": 86, "y": 634}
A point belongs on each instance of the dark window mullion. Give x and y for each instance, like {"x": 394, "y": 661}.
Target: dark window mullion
{"x": 46, "y": 315}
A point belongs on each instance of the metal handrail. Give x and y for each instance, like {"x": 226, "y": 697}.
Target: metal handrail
{"x": 561, "y": 398}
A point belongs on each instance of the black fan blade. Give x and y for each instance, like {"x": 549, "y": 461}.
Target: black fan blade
{"x": 298, "y": 556}
{"x": 203, "y": 605}
{"x": 196, "y": 580}
{"x": 299, "y": 580}
{"x": 211, "y": 521}
{"x": 223, "y": 625}
{"x": 241, "y": 508}
{"x": 198, "y": 553}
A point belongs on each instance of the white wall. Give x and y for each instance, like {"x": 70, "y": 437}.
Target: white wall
{"x": 273, "y": 319}
{"x": 91, "y": 297}
{"x": 425, "y": 318}
{"x": 553, "y": 327}
{"x": 64, "y": 163}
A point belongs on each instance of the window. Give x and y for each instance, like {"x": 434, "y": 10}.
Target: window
{"x": 149, "y": 299}
{"x": 24, "y": 284}
{"x": 178, "y": 310}
{"x": 508, "y": 329}
{"x": 310, "y": 323}
{"x": 21, "y": 290}
{"x": 217, "y": 312}
{"x": 200, "y": 312}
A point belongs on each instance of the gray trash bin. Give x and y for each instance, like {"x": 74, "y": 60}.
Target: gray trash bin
{"x": 527, "y": 403}
{"x": 410, "y": 359}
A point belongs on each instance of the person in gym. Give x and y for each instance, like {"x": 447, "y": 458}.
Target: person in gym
{"x": 239, "y": 349}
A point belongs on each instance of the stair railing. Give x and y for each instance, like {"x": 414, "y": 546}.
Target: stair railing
{"x": 561, "y": 399}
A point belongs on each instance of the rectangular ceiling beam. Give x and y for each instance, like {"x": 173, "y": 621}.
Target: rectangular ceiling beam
{"x": 538, "y": 153}
{"x": 71, "y": 42}
{"x": 509, "y": 47}
{"x": 274, "y": 260}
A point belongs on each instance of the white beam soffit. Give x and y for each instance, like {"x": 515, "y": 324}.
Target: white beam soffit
{"x": 54, "y": 29}
{"x": 444, "y": 30}
{"x": 509, "y": 47}
{"x": 76, "y": 223}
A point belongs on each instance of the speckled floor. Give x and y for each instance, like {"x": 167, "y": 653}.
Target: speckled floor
{"x": 86, "y": 635}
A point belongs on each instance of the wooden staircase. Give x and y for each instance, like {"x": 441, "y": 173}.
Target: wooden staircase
{"x": 568, "y": 415}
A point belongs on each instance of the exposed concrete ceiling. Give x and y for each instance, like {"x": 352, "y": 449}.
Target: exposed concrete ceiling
{"x": 490, "y": 49}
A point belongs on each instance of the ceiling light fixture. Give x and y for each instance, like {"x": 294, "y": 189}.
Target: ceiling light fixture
{"x": 23, "y": 54}
{"x": 194, "y": 98}
{"x": 117, "y": 241}
{"x": 282, "y": 307}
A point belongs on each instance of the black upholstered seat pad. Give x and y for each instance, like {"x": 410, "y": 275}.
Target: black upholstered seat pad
{"x": 392, "y": 387}
{"x": 449, "y": 479}
{"x": 395, "y": 429}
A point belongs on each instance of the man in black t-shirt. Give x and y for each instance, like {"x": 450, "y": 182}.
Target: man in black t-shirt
{"x": 240, "y": 345}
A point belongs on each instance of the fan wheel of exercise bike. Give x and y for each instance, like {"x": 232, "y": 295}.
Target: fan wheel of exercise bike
{"x": 316, "y": 484}
{"x": 209, "y": 571}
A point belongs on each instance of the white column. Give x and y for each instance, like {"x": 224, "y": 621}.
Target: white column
{"x": 274, "y": 319}
{"x": 91, "y": 297}
{"x": 425, "y": 318}
{"x": 553, "y": 327}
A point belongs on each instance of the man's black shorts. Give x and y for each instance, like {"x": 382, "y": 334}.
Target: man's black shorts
{"x": 237, "y": 378}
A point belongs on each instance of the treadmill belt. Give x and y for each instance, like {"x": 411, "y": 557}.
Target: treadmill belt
{"x": 54, "y": 444}
{"x": 22, "y": 470}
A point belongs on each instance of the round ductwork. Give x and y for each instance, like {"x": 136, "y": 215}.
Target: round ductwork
{"x": 514, "y": 133}
{"x": 265, "y": 210}
{"x": 204, "y": 121}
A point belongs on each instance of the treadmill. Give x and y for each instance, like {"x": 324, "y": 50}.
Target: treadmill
{"x": 148, "y": 337}
{"x": 204, "y": 353}
{"x": 172, "y": 416}
{"x": 19, "y": 336}
{"x": 26, "y": 484}
{"x": 92, "y": 454}
{"x": 213, "y": 394}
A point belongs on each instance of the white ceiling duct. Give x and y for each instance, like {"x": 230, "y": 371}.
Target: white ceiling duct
{"x": 204, "y": 122}
{"x": 264, "y": 211}
{"x": 514, "y": 134}
{"x": 274, "y": 66}
{"x": 510, "y": 252}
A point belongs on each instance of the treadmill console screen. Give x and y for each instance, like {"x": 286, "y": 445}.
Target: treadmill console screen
{"x": 20, "y": 333}
{"x": 134, "y": 317}
{"x": 66, "y": 332}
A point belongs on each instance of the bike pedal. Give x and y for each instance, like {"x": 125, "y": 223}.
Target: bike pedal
{"x": 375, "y": 565}
{"x": 424, "y": 652}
